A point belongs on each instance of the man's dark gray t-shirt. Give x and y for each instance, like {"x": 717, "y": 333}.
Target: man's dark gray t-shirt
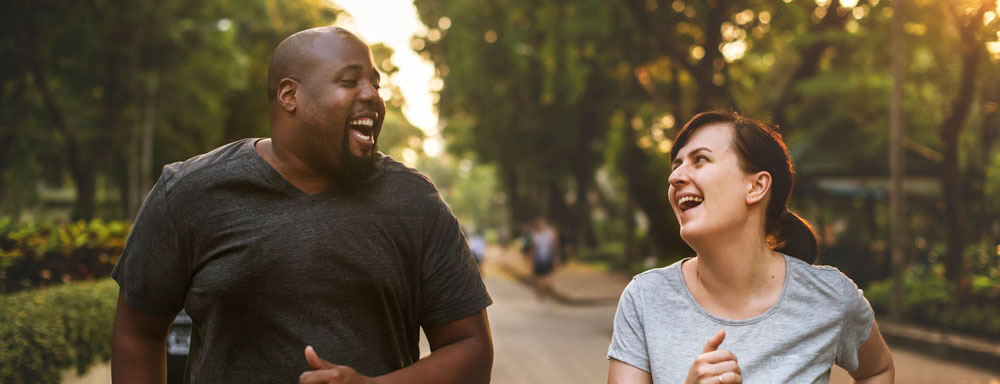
{"x": 264, "y": 269}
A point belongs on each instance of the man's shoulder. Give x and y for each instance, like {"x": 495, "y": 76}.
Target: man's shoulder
{"x": 405, "y": 180}
{"x": 207, "y": 166}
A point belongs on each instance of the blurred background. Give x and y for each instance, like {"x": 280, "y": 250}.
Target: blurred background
{"x": 516, "y": 109}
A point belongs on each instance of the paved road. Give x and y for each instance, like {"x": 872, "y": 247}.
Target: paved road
{"x": 567, "y": 344}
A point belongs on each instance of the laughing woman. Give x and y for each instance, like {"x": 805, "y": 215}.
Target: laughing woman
{"x": 750, "y": 306}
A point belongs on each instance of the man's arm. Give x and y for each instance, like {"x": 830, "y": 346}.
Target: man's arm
{"x": 461, "y": 352}
{"x": 139, "y": 346}
{"x": 874, "y": 360}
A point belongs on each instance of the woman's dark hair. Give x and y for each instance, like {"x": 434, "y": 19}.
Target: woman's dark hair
{"x": 761, "y": 148}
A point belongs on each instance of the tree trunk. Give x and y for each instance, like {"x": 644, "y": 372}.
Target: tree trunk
{"x": 897, "y": 168}
{"x": 951, "y": 128}
{"x": 85, "y": 179}
{"x": 709, "y": 94}
{"x": 647, "y": 189}
{"x": 808, "y": 66}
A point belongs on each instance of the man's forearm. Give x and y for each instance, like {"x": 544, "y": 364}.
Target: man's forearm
{"x": 465, "y": 361}
{"x": 138, "y": 361}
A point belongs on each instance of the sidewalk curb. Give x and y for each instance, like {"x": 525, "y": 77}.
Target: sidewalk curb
{"x": 946, "y": 345}
{"x": 557, "y": 295}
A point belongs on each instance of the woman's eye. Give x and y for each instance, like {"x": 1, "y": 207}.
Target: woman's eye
{"x": 699, "y": 159}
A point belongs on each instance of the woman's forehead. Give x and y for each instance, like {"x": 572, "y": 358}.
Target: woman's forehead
{"x": 714, "y": 136}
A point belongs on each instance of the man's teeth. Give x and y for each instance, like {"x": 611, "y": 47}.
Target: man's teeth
{"x": 363, "y": 121}
{"x": 686, "y": 199}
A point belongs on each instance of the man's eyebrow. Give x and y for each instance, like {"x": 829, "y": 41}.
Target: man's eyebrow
{"x": 350, "y": 68}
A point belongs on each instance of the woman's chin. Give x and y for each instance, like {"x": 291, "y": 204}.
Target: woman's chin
{"x": 691, "y": 234}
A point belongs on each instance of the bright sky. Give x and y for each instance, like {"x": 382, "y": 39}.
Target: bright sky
{"x": 393, "y": 22}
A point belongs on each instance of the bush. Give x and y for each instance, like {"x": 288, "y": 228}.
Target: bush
{"x": 46, "y": 331}
{"x": 37, "y": 254}
{"x": 929, "y": 299}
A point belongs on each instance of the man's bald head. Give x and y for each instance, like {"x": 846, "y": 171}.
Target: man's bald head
{"x": 291, "y": 58}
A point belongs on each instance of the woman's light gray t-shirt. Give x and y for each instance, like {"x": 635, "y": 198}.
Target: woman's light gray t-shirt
{"x": 821, "y": 318}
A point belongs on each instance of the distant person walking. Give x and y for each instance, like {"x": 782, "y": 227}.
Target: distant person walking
{"x": 477, "y": 244}
{"x": 544, "y": 257}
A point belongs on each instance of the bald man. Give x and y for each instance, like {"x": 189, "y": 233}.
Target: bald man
{"x": 305, "y": 256}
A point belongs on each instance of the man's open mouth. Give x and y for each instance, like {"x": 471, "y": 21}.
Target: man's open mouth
{"x": 364, "y": 127}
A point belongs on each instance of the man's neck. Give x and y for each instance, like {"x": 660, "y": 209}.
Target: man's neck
{"x": 292, "y": 168}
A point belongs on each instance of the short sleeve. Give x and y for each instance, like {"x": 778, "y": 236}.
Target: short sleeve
{"x": 450, "y": 284}
{"x": 859, "y": 318}
{"x": 628, "y": 340}
{"x": 151, "y": 269}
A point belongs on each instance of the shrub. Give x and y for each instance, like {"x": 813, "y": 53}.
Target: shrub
{"x": 46, "y": 331}
{"x": 36, "y": 254}
{"x": 928, "y": 298}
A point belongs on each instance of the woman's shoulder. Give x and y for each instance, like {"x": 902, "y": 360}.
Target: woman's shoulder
{"x": 820, "y": 278}
{"x": 659, "y": 278}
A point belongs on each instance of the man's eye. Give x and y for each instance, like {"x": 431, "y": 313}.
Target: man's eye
{"x": 349, "y": 82}
{"x": 376, "y": 85}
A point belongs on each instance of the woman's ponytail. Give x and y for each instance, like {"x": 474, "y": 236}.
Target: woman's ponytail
{"x": 795, "y": 237}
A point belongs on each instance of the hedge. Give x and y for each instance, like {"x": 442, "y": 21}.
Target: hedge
{"x": 43, "y": 253}
{"x": 46, "y": 331}
{"x": 930, "y": 299}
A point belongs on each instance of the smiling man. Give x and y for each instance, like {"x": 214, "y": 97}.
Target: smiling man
{"x": 307, "y": 256}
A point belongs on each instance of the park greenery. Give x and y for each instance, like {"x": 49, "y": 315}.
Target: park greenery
{"x": 575, "y": 103}
{"x": 51, "y": 330}
{"x": 563, "y": 109}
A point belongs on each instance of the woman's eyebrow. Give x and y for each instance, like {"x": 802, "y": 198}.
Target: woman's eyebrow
{"x": 699, "y": 149}
{"x": 678, "y": 160}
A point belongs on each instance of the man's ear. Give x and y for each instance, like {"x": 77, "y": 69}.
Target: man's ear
{"x": 759, "y": 185}
{"x": 287, "y": 92}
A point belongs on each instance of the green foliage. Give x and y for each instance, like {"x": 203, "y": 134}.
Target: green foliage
{"x": 92, "y": 76}
{"x": 46, "y": 331}
{"x": 930, "y": 299}
{"x": 36, "y": 254}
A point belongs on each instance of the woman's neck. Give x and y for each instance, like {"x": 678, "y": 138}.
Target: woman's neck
{"x": 739, "y": 277}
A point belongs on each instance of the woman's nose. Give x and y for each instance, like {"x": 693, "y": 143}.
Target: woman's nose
{"x": 678, "y": 176}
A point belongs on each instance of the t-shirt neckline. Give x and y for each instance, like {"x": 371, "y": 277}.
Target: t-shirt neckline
{"x": 768, "y": 313}
{"x": 272, "y": 175}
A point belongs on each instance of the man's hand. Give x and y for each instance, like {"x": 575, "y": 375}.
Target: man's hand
{"x": 325, "y": 372}
{"x": 714, "y": 366}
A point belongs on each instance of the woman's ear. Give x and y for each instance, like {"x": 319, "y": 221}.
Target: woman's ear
{"x": 759, "y": 185}
{"x": 287, "y": 91}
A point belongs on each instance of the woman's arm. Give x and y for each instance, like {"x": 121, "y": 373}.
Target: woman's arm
{"x": 622, "y": 373}
{"x": 874, "y": 360}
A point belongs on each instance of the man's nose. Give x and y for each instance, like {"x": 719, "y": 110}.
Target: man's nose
{"x": 369, "y": 93}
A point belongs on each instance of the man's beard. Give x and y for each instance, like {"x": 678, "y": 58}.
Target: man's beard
{"x": 355, "y": 170}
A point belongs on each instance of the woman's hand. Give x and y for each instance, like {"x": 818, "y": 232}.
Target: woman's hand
{"x": 715, "y": 366}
